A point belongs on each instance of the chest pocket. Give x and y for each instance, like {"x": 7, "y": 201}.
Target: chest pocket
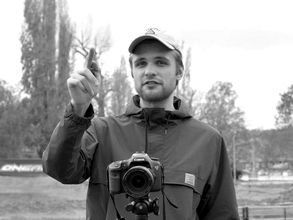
{"x": 184, "y": 190}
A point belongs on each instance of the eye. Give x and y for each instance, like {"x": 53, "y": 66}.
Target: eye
{"x": 162, "y": 62}
{"x": 140, "y": 63}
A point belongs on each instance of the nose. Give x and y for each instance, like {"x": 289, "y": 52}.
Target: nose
{"x": 150, "y": 71}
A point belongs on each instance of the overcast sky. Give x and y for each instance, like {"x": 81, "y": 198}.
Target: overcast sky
{"x": 248, "y": 43}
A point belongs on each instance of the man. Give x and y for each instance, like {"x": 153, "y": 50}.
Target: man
{"x": 197, "y": 181}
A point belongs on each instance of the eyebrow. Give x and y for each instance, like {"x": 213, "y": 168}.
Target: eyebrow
{"x": 138, "y": 60}
{"x": 162, "y": 58}
{"x": 155, "y": 58}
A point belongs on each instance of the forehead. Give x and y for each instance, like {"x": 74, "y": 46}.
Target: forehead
{"x": 151, "y": 47}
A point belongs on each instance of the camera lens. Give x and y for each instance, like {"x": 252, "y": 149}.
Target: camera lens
{"x": 138, "y": 181}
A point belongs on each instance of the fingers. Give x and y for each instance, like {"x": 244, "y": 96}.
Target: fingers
{"x": 88, "y": 75}
{"x": 83, "y": 85}
{"x": 83, "y": 81}
{"x": 94, "y": 68}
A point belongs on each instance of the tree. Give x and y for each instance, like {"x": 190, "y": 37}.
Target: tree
{"x": 121, "y": 89}
{"x": 274, "y": 145}
{"x": 13, "y": 116}
{"x": 185, "y": 91}
{"x": 285, "y": 109}
{"x": 45, "y": 64}
{"x": 6, "y": 97}
{"x": 6, "y": 106}
{"x": 221, "y": 112}
{"x": 65, "y": 41}
{"x": 39, "y": 65}
{"x": 9, "y": 129}
{"x": 31, "y": 45}
{"x": 101, "y": 41}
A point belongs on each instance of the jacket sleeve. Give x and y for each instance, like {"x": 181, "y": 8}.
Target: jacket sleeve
{"x": 66, "y": 157}
{"x": 219, "y": 199}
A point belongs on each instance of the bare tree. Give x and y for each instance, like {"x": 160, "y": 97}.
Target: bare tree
{"x": 101, "y": 41}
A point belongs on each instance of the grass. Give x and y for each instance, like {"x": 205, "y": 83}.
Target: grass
{"x": 40, "y": 198}
{"x": 43, "y": 198}
{"x": 268, "y": 194}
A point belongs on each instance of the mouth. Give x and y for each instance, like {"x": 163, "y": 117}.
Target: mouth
{"x": 151, "y": 82}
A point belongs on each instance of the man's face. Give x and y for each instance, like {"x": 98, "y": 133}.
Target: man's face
{"x": 154, "y": 71}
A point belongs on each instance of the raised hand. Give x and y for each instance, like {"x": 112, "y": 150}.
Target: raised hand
{"x": 83, "y": 85}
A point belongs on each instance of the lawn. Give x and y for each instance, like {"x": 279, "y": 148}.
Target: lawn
{"x": 35, "y": 198}
{"x": 41, "y": 197}
{"x": 256, "y": 194}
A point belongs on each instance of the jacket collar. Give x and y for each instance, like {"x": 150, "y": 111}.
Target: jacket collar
{"x": 181, "y": 112}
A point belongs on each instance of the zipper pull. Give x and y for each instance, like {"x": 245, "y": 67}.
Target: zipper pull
{"x": 166, "y": 131}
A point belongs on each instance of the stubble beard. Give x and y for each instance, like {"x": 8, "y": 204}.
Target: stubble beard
{"x": 155, "y": 96}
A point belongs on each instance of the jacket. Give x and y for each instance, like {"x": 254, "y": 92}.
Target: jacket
{"x": 197, "y": 177}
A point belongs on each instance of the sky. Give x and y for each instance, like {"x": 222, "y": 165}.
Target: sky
{"x": 248, "y": 43}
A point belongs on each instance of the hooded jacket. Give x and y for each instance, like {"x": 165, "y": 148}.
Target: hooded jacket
{"x": 197, "y": 178}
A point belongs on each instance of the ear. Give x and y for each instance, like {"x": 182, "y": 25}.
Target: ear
{"x": 179, "y": 73}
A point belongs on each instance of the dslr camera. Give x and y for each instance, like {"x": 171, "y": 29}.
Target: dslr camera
{"x": 136, "y": 176}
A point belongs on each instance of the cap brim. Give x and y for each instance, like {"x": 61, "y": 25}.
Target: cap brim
{"x": 142, "y": 38}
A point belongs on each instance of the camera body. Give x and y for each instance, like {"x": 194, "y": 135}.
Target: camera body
{"x": 136, "y": 176}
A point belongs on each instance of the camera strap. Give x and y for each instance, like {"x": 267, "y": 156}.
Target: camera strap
{"x": 165, "y": 196}
{"x": 169, "y": 201}
{"x": 116, "y": 210}
{"x": 147, "y": 124}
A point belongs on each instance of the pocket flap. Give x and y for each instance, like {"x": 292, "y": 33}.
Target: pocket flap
{"x": 179, "y": 177}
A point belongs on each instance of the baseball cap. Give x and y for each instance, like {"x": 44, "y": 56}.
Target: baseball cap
{"x": 156, "y": 34}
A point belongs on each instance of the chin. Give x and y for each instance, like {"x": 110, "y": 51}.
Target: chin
{"x": 155, "y": 97}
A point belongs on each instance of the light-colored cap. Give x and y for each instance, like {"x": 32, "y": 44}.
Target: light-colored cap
{"x": 156, "y": 34}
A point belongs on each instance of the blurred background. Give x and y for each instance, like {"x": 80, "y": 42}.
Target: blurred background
{"x": 238, "y": 78}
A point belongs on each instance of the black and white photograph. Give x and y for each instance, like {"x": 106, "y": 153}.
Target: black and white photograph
{"x": 146, "y": 110}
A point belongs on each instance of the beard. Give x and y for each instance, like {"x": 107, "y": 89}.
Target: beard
{"x": 155, "y": 95}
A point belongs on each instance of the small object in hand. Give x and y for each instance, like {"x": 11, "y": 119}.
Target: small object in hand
{"x": 91, "y": 65}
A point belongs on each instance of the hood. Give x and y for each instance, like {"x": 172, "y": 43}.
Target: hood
{"x": 157, "y": 115}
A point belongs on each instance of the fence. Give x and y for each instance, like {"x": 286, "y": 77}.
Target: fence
{"x": 266, "y": 212}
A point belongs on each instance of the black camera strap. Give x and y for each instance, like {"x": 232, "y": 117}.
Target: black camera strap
{"x": 164, "y": 203}
{"x": 147, "y": 124}
{"x": 113, "y": 200}
{"x": 165, "y": 196}
{"x": 116, "y": 210}
{"x": 147, "y": 113}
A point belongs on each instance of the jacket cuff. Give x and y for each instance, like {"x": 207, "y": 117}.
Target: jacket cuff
{"x": 86, "y": 119}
